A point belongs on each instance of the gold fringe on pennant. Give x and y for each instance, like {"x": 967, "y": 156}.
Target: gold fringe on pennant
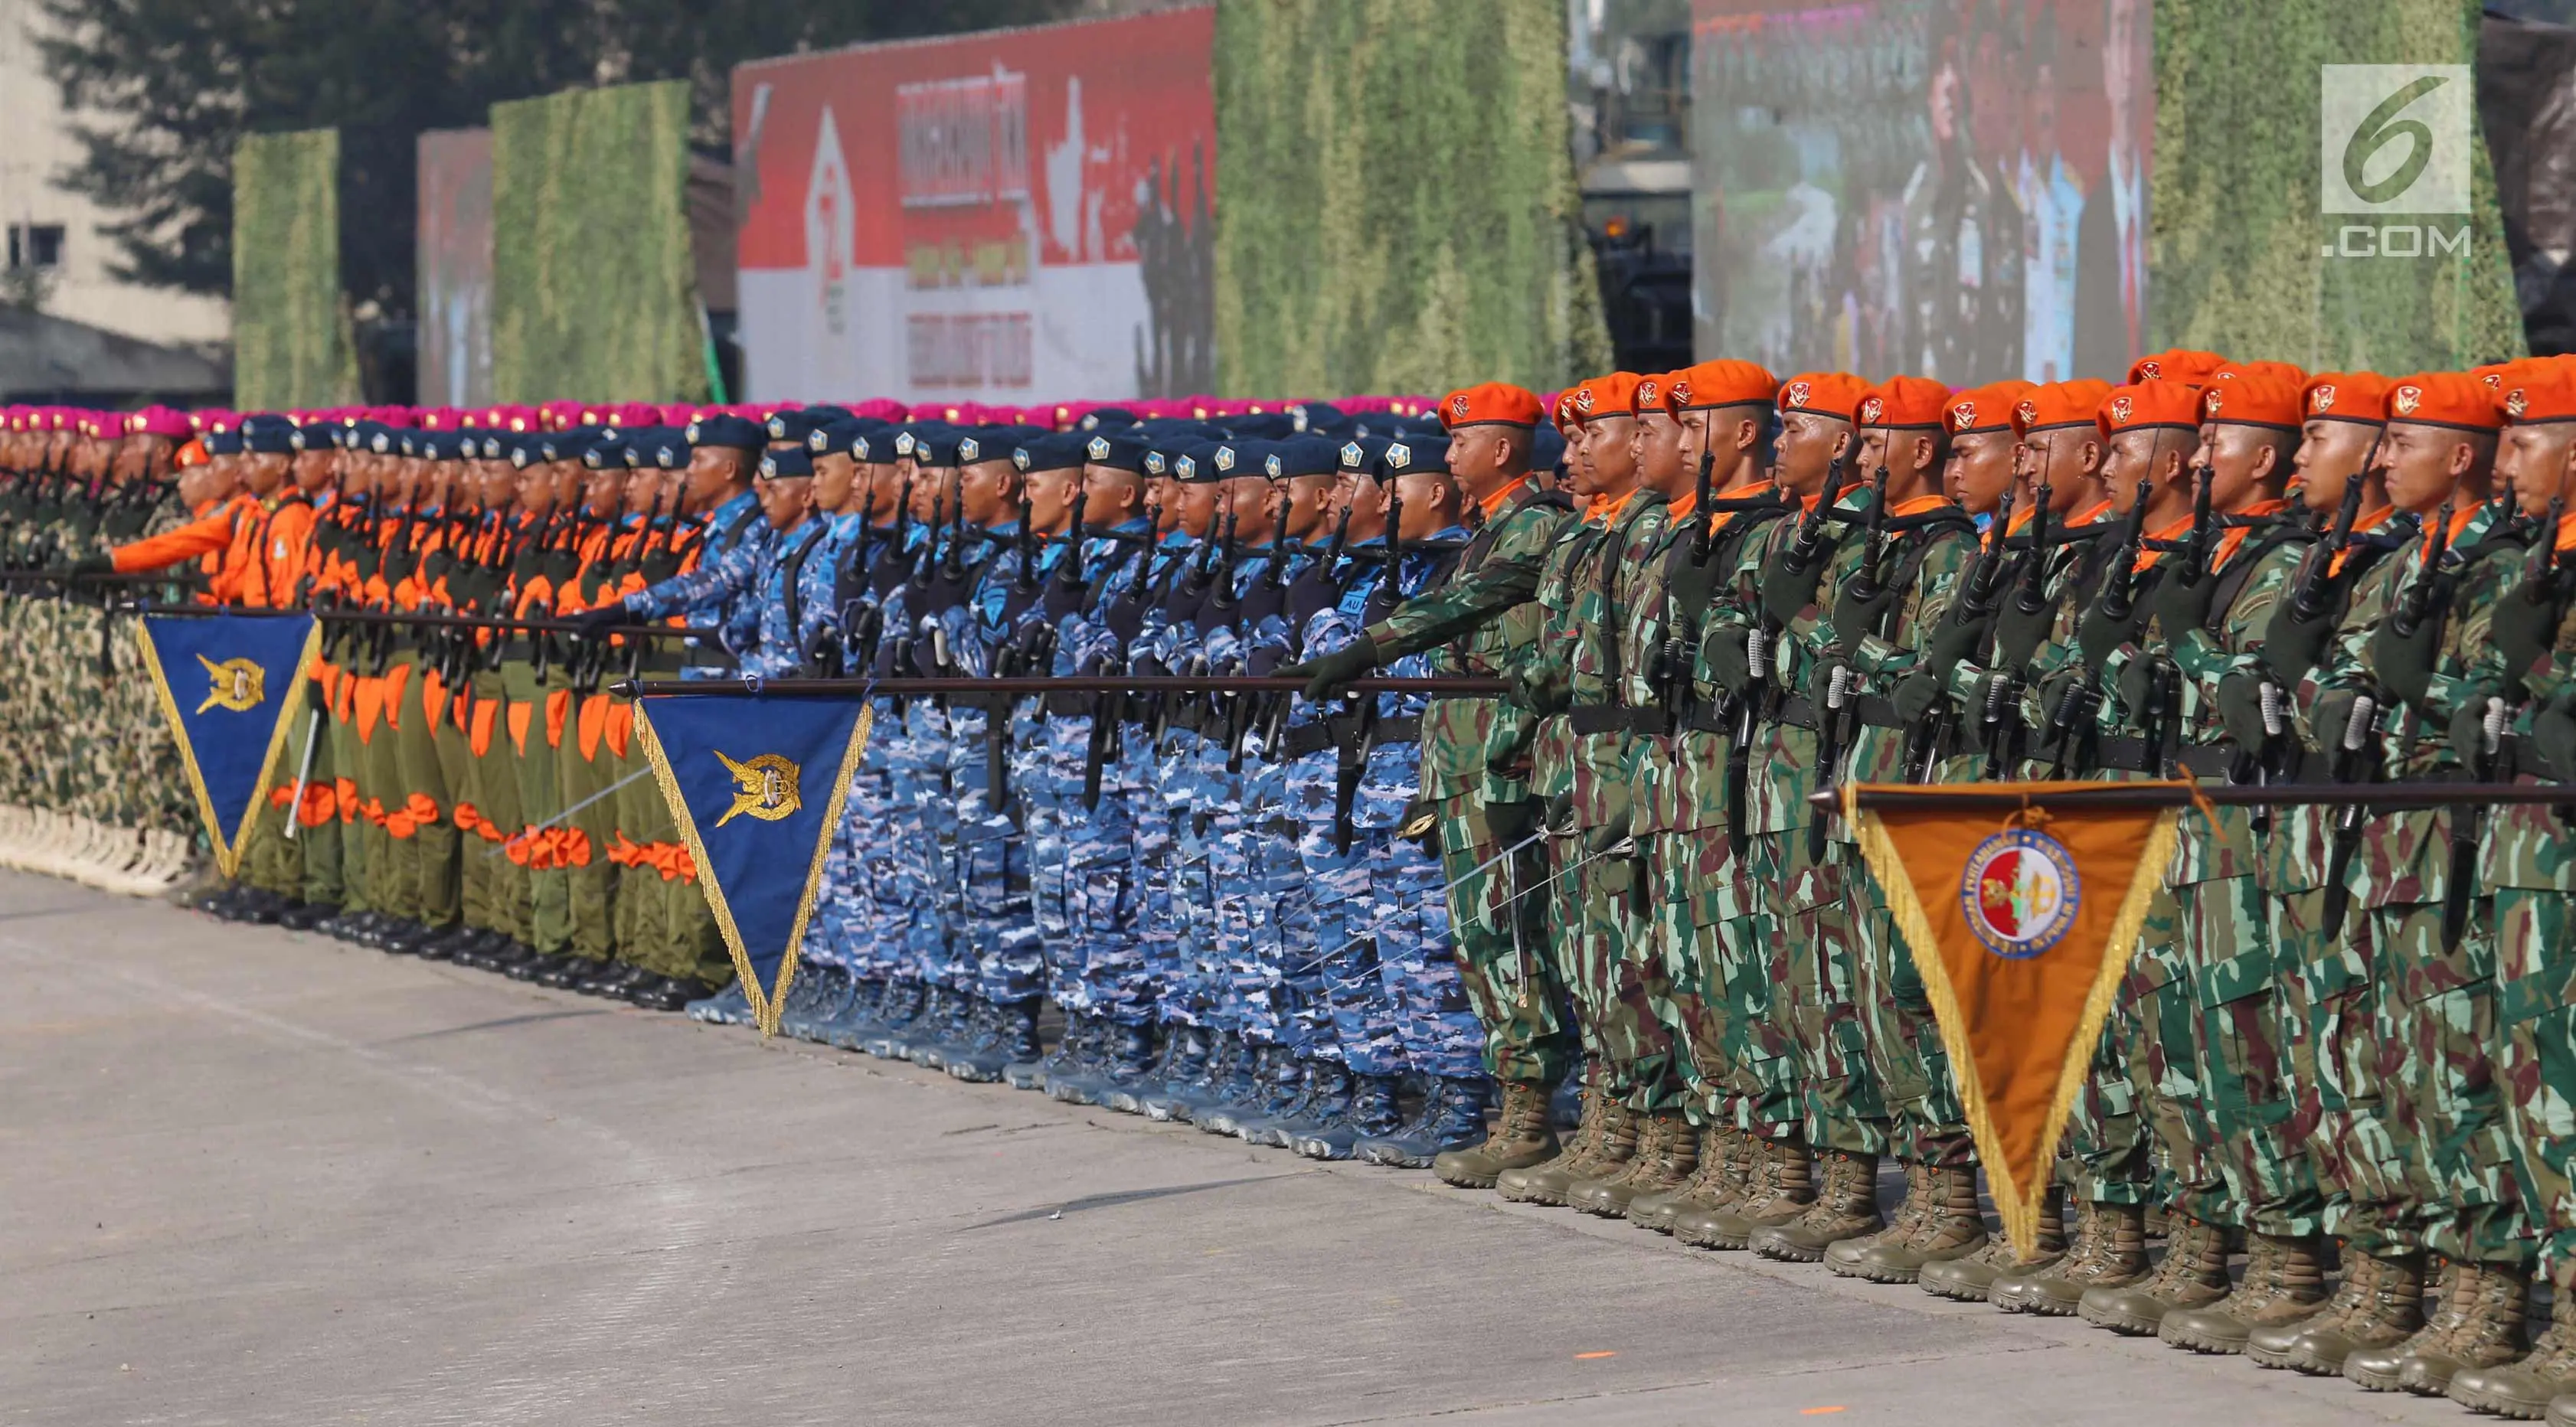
{"x": 2017, "y": 1204}
{"x": 228, "y": 853}
{"x": 765, "y": 1007}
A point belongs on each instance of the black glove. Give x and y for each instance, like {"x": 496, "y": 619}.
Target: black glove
{"x": 2101, "y": 632}
{"x": 1729, "y": 666}
{"x": 2405, "y": 662}
{"x": 315, "y": 700}
{"x": 2469, "y": 733}
{"x": 2524, "y": 627}
{"x": 2331, "y": 716}
{"x": 595, "y": 623}
{"x": 2240, "y": 708}
{"x": 2054, "y": 693}
{"x": 93, "y": 565}
{"x": 1559, "y": 817}
{"x": 1915, "y": 696}
{"x": 1855, "y": 617}
{"x": 1064, "y": 598}
{"x": 2553, "y": 737}
{"x": 1602, "y": 838}
{"x": 2020, "y": 632}
{"x": 2292, "y": 646}
{"x": 1327, "y": 672}
{"x": 2182, "y": 605}
{"x": 1951, "y": 643}
{"x": 1787, "y": 590}
{"x": 2137, "y": 678}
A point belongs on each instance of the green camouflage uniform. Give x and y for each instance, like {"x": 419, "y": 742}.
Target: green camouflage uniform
{"x": 1811, "y": 902}
{"x": 1609, "y": 968}
{"x": 2436, "y": 1027}
{"x": 1475, "y": 623}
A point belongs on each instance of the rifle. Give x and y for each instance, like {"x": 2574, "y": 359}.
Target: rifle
{"x": 2117, "y": 600}
{"x": 1980, "y": 594}
{"x": 1806, "y": 547}
{"x": 2197, "y": 547}
{"x": 1833, "y": 719}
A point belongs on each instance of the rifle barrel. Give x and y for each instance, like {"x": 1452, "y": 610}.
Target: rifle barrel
{"x": 1109, "y": 684}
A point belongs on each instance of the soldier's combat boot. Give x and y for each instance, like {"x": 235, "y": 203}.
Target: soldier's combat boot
{"x": 2111, "y": 1252}
{"x": 1185, "y": 1062}
{"x": 1777, "y": 1189}
{"x": 1612, "y": 1143}
{"x": 906, "y": 1004}
{"x": 1522, "y": 1136}
{"x": 1324, "y": 1086}
{"x": 1279, "y": 1085}
{"x": 2484, "y": 1331}
{"x": 1262, "y": 1067}
{"x": 1453, "y": 1114}
{"x": 1946, "y": 1225}
{"x": 2379, "y": 1304}
{"x": 2562, "y": 1410}
{"x": 1667, "y": 1156}
{"x": 1223, "y": 1073}
{"x": 1131, "y": 1063}
{"x": 2193, "y": 1275}
{"x": 2285, "y": 1282}
{"x": 968, "y": 1018}
{"x": 721, "y": 1009}
{"x": 1574, "y": 1155}
{"x": 1716, "y": 1161}
{"x": 1846, "y": 1207}
{"x": 1075, "y": 1072}
{"x": 859, "y": 1017}
{"x": 1368, "y": 1112}
{"x": 1012, "y": 1037}
{"x": 1982, "y": 1276}
{"x": 815, "y": 997}
{"x": 2524, "y": 1388}
{"x": 1072, "y": 1049}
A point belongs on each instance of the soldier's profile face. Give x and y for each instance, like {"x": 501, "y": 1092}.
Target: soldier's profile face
{"x": 2533, "y": 459}
{"x": 1610, "y": 450}
{"x": 835, "y": 475}
{"x": 1050, "y": 496}
{"x": 2237, "y": 456}
{"x": 2129, "y": 459}
{"x": 1981, "y": 469}
{"x": 1193, "y": 506}
{"x": 2418, "y": 465}
{"x": 2329, "y": 452}
{"x": 1806, "y": 449}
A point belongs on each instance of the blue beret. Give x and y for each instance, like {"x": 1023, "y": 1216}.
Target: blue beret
{"x": 992, "y": 443}
{"x": 565, "y": 445}
{"x": 1301, "y": 456}
{"x": 1195, "y": 464}
{"x": 268, "y": 435}
{"x": 1051, "y": 452}
{"x": 606, "y": 452}
{"x": 1360, "y": 453}
{"x": 1261, "y": 425}
{"x": 1547, "y": 448}
{"x": 1118, "y": 453}
{"x": 1108, "y": 418}
{"x": 793, "y": 425}
{"x": 1412, "y": 456}
{"x": 786, "y": 463}
{"x": 1240, "y": 458}
{"x": 223, "y": 443}
{"x": 933, "y": 446}
{"x": 1314, "y": 414}
{"x": 732, "y": 433}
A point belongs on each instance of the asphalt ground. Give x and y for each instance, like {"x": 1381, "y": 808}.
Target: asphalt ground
{"x": 248, "y": 1176}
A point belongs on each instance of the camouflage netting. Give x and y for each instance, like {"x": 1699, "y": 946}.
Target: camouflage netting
{"x": 2238, "y": 231}
{"x": 291, "y": 338}
{"x": 1396, "y": 207}
{"x": 594, "y": 292}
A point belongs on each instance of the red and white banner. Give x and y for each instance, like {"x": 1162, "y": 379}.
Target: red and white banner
{"x": 1016, "y": 217}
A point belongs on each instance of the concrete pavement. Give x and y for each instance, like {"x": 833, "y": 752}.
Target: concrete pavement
{"x": 254, "y": 1177}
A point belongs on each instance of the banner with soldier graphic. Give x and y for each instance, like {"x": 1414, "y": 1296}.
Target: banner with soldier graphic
{"x": 226, "y": 683}
{"x": 756, "y": 785}
{"x": 2021, "y": 918}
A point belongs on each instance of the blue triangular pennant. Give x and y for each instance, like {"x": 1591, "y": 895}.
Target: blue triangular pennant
{"x": 756, "y": 785}
{"x": 227, "y": 683}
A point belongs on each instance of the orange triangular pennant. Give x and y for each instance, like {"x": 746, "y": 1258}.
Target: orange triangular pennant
{"x": 2022, "y": 919}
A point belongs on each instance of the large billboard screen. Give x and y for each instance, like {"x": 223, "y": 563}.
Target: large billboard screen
{"x": 1952, "y": 188}
{"x": 1015, "y": 217}
{"x": 455, "y": 266}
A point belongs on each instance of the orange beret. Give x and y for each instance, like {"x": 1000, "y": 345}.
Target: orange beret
{"x": 1490, "y": 403}
{"x": 1983, "y": 408}
{"x": 1823, "y": 393}
{"x": 2070, "y": 403}
{"x": 2544, "y": 396}
{"x": 2455, "y": 399}
{"x": 2178, "y": 364}
{"x": 1649, "y": 395}
{"x": 2294, "y": 375}
{"x": 1566, "y": 419}
{"x": 2345, "y": 396}
{"x": 2251, "y": 398}
{"x": 1901, "y": 402}
{"x": 2142, "y": 405}
{"x": 1613, "y": 395}
{"x": 1725, "y": 382}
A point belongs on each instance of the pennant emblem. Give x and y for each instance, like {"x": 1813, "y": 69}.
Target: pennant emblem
{"x": 2022, "y": 920}
{"x": 225, "y": 683}
{"x": 757, "y": 821}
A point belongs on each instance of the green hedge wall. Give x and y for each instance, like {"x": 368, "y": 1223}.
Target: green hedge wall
{"x": 594, "y": 293}
{"x": 1395, "y": 201}
{"x": 291, "y": 342}
{"x": 2235, "y": 210}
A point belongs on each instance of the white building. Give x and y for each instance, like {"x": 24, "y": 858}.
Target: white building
{"x": 47, "y": 228}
